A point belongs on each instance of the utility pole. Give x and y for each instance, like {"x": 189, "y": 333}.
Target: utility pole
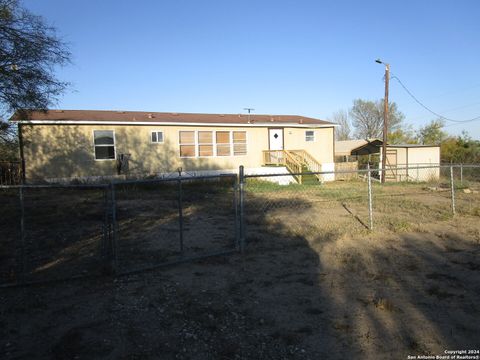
{"x": 385, "y": 119}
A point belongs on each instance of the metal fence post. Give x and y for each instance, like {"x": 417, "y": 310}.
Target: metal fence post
{"x": 114, "y": 228}
{"x": 107, "y": 241}
{"x": 22, "y": 235}
{"x": 235, "y": 206}
{"x": 103, "y": 245}
{"x": 461, "y": 174}
{"x": 180, "y": 210}
{"x": 370, "y": 208}
{"x": 452, "y": 186}
{"x": 241, "y": 175}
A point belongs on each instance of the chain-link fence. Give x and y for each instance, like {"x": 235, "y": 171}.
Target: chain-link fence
{"x": 415, "y": 196}
{"x": 467, "y": 186}
{"x": 172, "y": 220}
{"x": 302, "y": 211}
{"x": 10, "y": 172}
{"x": 53, "y": 232}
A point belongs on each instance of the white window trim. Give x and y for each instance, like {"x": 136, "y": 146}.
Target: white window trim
{"x": 157, "y": 142}
{"x": 114, "y": 145}
{"x": 313, "y": 136}
{"x": 214, "y": 144}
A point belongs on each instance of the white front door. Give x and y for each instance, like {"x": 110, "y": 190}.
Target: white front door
{"x": 275, "y": 139}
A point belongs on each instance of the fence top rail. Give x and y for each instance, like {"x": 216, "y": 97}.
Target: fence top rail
{"x": 364, "y": 171}
{"x": 174, "y": 179}
{"x": 55, "y": 186}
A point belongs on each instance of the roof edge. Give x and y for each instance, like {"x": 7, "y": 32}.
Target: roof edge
{"x": 166, "y": 123}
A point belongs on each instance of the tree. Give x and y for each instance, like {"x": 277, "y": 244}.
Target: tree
{"x": 460, "y": 149}
{"x": 367, "y": 118}
{"x": 402, "y": 136}
{"x": 432, "y": 134}
{"x": 343, "y": 131}
{"x": 29, "y": 52}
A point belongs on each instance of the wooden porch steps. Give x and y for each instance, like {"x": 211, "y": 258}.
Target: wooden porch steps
{"x": 296, "y": 162}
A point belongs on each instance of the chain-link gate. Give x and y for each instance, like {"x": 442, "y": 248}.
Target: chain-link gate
{"x": 164, "y": 221}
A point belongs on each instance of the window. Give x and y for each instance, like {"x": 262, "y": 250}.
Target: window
{"x": 309, "y": 135}
{"x": 187, "y": 143}
{"x": 205, "y": 143}
{"x": 223, "y": 143}
{"x": 239, "y": 143}
{"x": 104, "y": 144}
{"x": 157, "y": 137}
{"x": 202, "y": 143}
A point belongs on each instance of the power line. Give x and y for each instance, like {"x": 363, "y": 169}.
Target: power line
{"x": 430, "y": 110}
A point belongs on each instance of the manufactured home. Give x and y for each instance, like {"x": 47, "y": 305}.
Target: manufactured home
{"x": 65, "y": 144}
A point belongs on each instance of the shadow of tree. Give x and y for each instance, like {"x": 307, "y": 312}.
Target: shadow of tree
{"x": 320, "y": 295}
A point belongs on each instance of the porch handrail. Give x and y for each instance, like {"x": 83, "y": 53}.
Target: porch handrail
{"x": 293, "y": 165}
{"x": 285, "y": 158}
{"x": 307, "y": 159}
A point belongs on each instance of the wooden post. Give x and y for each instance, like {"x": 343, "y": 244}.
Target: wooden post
{"x": 385, "y": 122}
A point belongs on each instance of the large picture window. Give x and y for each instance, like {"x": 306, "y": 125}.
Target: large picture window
{"x": 104, "y": 143}
{"x": 202, "y": 143}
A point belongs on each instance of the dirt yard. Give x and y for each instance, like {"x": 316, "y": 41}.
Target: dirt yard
{"x": 314, "y": 283}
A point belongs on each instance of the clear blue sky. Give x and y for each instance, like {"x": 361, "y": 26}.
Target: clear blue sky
{"x": 309, "y": 58}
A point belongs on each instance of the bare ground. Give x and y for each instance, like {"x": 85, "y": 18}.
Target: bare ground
{"x": 313, "y": 283}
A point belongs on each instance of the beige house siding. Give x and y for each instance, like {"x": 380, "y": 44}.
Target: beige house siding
{"x": 321, "y": 148}
{"x": 63, "y": 151}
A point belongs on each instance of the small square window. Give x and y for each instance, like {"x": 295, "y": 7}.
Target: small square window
{"x": 157, "y": 137}
{"x": 309, "y": 135}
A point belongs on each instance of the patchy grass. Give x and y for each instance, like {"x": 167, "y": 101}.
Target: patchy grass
{"x": 313, "y": 282}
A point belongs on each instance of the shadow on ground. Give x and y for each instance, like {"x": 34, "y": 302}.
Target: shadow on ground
{"x": 325, "y": 295}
